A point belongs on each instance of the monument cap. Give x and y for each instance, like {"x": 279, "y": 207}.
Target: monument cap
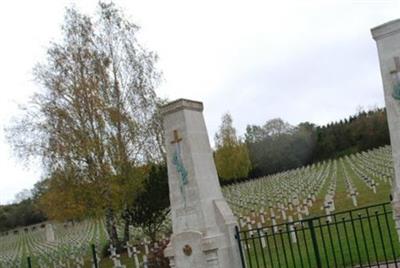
{"x": 386, "y": 29}
{"x": 182, "y": 104}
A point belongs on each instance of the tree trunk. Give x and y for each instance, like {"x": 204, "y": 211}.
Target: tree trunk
{"x": 111, "y": 228}
{"x": 126, "y": 229}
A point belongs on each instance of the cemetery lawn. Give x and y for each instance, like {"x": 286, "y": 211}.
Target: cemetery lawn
{"x": 365, "y": 241}
{"x": 339, "y": 245}
{"x": 107, "y": 262}
{"x": 304, "y": 193}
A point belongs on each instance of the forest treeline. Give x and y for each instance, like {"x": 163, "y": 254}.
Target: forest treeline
{"x": 22, "y": 213}
{"x": 277, "y": 146}
{"x": 265, "y": 149}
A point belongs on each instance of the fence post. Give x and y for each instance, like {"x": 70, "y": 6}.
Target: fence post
{"x": 314, "y": 242}
{"x": 29, "y": 262}
{"x": 94, "y": 256}
{"x": 237, "y": 236}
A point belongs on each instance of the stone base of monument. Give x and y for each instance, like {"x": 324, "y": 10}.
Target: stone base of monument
{"x": 193, "y": 248}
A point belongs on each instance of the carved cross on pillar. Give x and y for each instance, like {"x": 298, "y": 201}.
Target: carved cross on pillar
{"x": 396, "y": 78}
{"x": 177, "y": 139}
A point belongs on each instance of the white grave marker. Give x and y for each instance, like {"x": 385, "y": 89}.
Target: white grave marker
{"x": 49, "y": 233}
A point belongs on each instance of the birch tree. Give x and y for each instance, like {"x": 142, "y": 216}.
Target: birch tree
{"x": 95, "y": 118}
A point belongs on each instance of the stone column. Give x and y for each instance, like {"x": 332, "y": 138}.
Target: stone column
{"x": 202, "y": 222}
{"x": 387, "y": 37}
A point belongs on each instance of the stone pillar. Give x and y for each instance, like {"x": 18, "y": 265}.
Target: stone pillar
{"x": 202, "y": 222}
{"x": 387, "y": 37}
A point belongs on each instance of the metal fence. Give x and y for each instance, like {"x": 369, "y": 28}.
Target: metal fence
{"x": 94, "y": 259}
{"x": 134, "y": 256}
{"x": 363, "y": 237}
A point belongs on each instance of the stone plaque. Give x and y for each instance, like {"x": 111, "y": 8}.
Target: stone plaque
{"x": 187, "y": 250}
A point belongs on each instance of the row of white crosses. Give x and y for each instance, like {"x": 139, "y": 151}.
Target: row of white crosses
{"x": 329, "y": 199}
{"x": 70, "y": 248}
{"x": 292, "y": 194}
{"x": 367, "y": 167}
{"x": 350, "y": 187}
{"x": 289, "y": 193}
{"x": 11, "y": 249}
{"x": 361, "y": 174}
{"x": 377, "y": 164}
{"x": 139, "y": 253}
{"x": 284, "y": 197}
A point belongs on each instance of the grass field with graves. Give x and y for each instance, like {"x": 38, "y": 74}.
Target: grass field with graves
{"x": 72, "y": 246}
{"x": 321, "y": 189}
{"x": 349, "y": 182}
{"x": 275, "y": 211}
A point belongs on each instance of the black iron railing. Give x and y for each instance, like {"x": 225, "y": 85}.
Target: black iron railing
{"x": 363, "y": 237}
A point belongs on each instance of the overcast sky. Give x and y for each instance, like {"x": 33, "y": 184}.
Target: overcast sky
{"x": 298, "y": 60}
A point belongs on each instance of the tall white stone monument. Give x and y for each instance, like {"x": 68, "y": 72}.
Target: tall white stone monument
{"x": 203, "y": 224}
{"x": 387, "y": 37}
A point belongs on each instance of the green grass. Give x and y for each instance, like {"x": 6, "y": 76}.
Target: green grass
{"x": 368, "y": 240}
{"x": 337, "y": 246}
{"x": 107, "y": 262}
{"x": 104, "y": 263}
{"x": 343, "y": 243}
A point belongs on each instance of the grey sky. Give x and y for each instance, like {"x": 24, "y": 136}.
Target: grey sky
{"x": 298, "y": 60}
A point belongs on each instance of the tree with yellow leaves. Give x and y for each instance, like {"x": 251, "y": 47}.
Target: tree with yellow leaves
{"x": 231, "y": 156}
{"x": 95, "y": 120}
